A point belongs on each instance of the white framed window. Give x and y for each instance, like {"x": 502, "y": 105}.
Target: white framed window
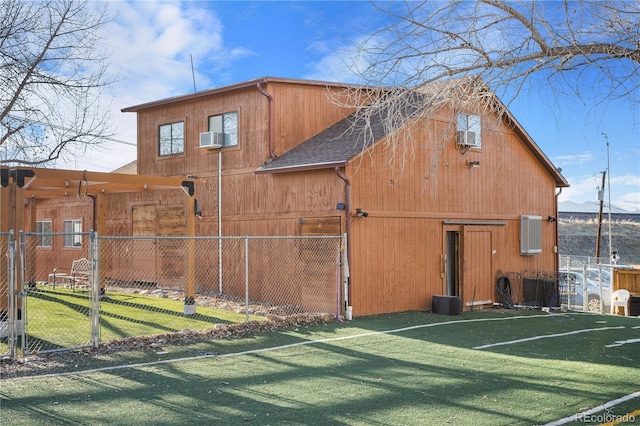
{"x": 469, "y": 130}
{"x": 73, "y": 233}
{"x": 171, "y": 138}
{"x": 43, "y": 227}
{"x": 227, "y": 125}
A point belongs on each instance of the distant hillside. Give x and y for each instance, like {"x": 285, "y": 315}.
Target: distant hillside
{"x": 577, "y": 235}
{"x": 590, "y": 207}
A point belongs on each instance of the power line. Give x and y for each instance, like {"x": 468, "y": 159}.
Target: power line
{"x": 54, "y": 126}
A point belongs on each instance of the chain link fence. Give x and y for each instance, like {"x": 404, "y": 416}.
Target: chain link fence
{"x": 79, "y": 290}
{"x": 585, "y": 283}
{"x": 581, "y": 283}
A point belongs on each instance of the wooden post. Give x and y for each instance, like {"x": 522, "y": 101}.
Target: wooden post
{"x": 100, "y": 227}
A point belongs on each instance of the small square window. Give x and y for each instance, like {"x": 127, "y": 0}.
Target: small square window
{"x": 469, "y": 131}
{"x": 73, "y": 233}
{"x": 227, "y": 125}
{"x": 171, "y": 138}
{"x": 43, "y": 227}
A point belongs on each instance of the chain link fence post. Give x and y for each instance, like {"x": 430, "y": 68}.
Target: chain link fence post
{"x": 246, "y": 279}
{"x": 20, "y": 292}
{"x": 94, "y": 288}
{"x": 11, "y": 295}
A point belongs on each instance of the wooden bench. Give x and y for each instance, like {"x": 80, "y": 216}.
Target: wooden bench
{"x": 78, "y": 273}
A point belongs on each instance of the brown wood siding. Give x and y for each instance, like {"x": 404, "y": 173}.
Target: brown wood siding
{"x": 301, "y": 111}
{"x": 57, "y": 210}
{"x": 252, "y": 149}
{"x": 396, "y": 252}
{"x": 435, "y": 186}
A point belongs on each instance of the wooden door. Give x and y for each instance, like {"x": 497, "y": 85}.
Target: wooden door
{"x": 477, "y": 273}
{"x": 144, "y": 250}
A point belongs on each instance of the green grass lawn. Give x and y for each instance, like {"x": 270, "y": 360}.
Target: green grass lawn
{"x": 60, "y": 319}
{"x": 400, "y": 369}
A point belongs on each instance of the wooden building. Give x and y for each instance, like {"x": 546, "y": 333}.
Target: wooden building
{"x": 476, "y": 198}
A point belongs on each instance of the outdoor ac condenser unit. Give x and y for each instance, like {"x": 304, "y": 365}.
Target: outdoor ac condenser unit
{"x": 468, "y": 139}
{"x": 211, "y": 140}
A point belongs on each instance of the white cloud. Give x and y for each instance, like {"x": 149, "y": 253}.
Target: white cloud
{"x": 152, "y": 44}
{"x": 566, "y": 160}
{"x": 629, "y": 201}
{"x": 625, "y": 190}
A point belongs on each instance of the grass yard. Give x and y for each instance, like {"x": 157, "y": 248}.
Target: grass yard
{"x": 60, "y": 318}
{"x": 480, "y": 368}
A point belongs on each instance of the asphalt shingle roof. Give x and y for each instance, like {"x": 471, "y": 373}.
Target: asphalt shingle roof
{"x": 331, "y": 147}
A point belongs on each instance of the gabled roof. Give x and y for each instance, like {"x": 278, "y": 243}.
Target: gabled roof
{"x": 229, "y": 88}
{"x": 341, "y": 142}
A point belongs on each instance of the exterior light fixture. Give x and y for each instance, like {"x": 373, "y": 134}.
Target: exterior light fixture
{"x": 361, "y": 213}
{"x": 471, "y": 164}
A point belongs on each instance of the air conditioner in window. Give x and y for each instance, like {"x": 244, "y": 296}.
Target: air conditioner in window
{"x": 211, "y": 140}
{"x": 468, "y": 139}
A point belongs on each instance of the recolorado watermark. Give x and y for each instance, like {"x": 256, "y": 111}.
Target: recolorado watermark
{"x": 607, "y": 417}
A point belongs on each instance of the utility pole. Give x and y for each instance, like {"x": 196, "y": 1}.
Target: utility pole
{"x": 599, "y": 233}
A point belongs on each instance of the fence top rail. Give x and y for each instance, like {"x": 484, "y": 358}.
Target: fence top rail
{"x": 591, "y": 262}
{"x": 53, "y": 234}
{"x": 225, "y": 237}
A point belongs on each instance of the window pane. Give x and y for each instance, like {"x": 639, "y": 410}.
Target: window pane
{"x": 462, "y": 122}
{"x": 215, "y": 124}
{"x": 227, "y": 124}
{"x": 177, "y": 138}
{"x": 43, "y": 227}
{"x": 165, "y": 140}
{"x": 231, "y": 129}
{"x": 73, "y": 229}
{"x": 472, "y": 124}
{"x": 171, "y": 138}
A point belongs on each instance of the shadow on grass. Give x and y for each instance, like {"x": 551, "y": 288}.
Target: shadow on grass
{"x": 62, "y": 298}
{"x": 118, "y": 319}
{"x": 380, "y": 380}
{"x": 159, "y": 311}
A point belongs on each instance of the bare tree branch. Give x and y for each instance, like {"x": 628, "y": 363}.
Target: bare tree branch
{"x": 52, "y": 72}
{"x": 580, "y": 48}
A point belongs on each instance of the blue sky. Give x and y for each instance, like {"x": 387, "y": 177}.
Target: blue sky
{"x": 152, "y": 43}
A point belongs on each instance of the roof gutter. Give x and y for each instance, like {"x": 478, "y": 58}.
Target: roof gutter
{"x": 272, "y": 152}
{"x": 300, "y": 168}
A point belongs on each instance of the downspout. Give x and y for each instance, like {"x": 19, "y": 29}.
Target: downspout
{"x": 272, "y": 151}
{"x": 347, "y": 190}
{"x": 557, "y": 257}
{"x": 220, "y": 221}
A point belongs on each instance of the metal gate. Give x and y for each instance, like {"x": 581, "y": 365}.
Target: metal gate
{"x": 32, "y": 285}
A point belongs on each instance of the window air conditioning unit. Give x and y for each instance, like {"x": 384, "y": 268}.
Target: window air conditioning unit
{"x": 468, "y": 139}
{"x": 211, "y": 140}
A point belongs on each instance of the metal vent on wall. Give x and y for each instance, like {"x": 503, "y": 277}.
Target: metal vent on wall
{"x": 530, "y": 234}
